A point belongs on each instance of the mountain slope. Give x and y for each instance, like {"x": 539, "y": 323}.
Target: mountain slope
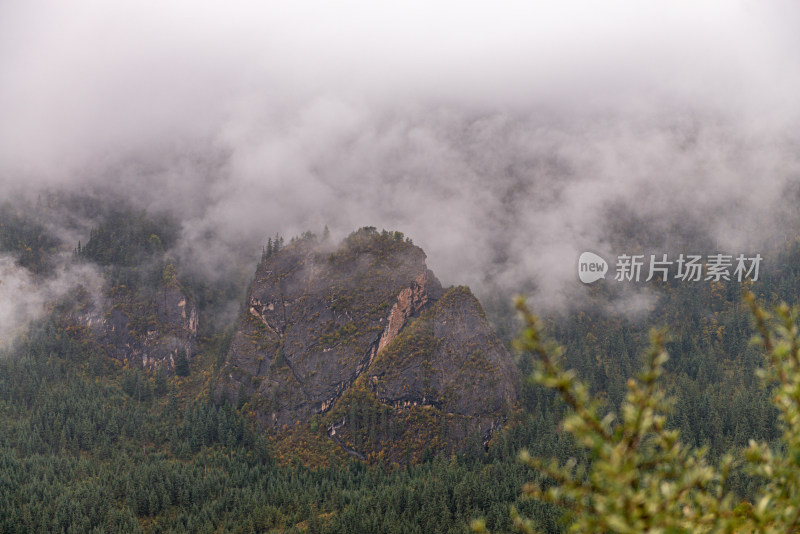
{"x": 363, "y": 344}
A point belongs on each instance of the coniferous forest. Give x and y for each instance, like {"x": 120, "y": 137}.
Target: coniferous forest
{"x": 91, "y": 443}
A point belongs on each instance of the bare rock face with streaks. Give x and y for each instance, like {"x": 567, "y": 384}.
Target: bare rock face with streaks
{"x": 153, "y": 333}
{"x": 360, "y": 346}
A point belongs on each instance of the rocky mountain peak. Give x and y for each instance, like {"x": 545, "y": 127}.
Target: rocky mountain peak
{"x": 328, "y": 333}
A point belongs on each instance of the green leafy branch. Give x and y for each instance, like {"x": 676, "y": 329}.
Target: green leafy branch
{"x": 640, "y": 477}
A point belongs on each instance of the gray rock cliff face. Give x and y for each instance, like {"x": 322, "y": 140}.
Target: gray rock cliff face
{"x": 152, "y": 334}
{"x": 450, "y": 358}
{"x": 323, "y": 326}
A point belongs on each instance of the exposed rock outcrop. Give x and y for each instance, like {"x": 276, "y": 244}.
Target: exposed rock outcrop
{"x": 356, "y": 340}
{"x": 153, "y": 334}
{"x": 444, "y": 358}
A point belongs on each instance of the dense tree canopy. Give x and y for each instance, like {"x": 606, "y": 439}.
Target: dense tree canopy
{"x": 88, "y": 443}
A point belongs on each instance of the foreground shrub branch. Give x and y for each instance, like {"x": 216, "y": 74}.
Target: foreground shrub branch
{"x": 639, "y": 476}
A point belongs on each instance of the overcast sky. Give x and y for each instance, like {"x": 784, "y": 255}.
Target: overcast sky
{"x": 501, "y": 136}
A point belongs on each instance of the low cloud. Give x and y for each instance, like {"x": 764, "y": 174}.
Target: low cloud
{"x": 504, "y": 139}
{"x": 25, "y": 297}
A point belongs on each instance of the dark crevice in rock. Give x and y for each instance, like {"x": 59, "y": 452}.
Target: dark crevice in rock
{"x": 297, "y": 378}
{"x": 345, "y": 448}
{"x": 341, "y": 387}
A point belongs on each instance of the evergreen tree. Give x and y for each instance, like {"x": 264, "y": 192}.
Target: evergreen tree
{"x": 181, "y": 363}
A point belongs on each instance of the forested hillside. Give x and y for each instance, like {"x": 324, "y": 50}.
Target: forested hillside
{"x": 88, "y": 444}
{"x": 94, "y": 442}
